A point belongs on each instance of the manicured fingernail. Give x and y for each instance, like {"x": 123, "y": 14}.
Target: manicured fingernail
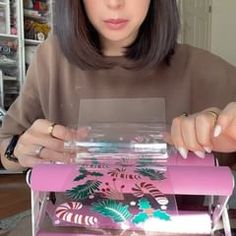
{"x": 200, "y": 154}
{"x": 217, "y": 131}
{"x": 183, "y": 152}
{"x": 60, "y": 162}
{"x": 207, "y": 149}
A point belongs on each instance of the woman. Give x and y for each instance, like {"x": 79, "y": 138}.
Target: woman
{"x": 120, "y": 54}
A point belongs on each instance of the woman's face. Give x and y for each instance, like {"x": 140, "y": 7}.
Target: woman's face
{"x": 117, "y": 20}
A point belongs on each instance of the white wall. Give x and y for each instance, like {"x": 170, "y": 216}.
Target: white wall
{"x": 223, "y": 42}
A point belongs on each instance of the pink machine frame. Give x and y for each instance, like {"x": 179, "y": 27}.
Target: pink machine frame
{"x": 193, "y": 176}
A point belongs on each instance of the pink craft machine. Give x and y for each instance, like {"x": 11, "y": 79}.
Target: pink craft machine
{"x": 125, "y": 182}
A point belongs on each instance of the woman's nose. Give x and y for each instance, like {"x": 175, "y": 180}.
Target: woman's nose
{"x": 115, "y": 4}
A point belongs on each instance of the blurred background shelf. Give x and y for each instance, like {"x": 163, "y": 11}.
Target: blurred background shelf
{"x": 24, "y": 24}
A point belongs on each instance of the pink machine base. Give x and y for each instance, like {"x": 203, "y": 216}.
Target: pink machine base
{"x": 126, "y": 199}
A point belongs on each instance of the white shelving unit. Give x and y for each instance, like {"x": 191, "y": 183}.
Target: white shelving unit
{"x": 5, "y": 15}
{"x": 11, "y": 51}
{"x": 16, "y": 46}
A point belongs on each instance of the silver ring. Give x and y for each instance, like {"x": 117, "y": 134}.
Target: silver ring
{"x": 39, "y": 150}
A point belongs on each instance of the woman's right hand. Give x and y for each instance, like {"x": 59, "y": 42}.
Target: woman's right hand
{"x": 44, "y": 141}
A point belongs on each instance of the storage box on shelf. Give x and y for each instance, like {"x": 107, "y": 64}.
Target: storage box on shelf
{"x": 37, "y": 25}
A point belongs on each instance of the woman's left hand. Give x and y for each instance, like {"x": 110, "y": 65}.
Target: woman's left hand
{"x": 210, "y": 130}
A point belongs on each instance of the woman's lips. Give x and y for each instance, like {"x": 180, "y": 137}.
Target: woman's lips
{"x": 116, "y": 24}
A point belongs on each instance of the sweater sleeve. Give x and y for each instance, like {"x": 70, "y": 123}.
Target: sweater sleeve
{"x": 213, "y": 81}
{"x": 27, "y": 107}
{"x": 213, "y": 85}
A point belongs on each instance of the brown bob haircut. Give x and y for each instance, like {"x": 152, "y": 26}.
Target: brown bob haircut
{"x": 80, "y": 44}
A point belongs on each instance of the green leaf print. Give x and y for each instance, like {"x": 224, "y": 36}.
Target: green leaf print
{"x": 161, "y": 215}
{"x": 80, "y": 177}
{"x": 96, "y": 174}
{"x": 151, "y": 173}
{"x": 83, "y": 191}
{"x": 112, "y": 209}
{"x": 144, "y": 204}
{"x": 141, "y": 217}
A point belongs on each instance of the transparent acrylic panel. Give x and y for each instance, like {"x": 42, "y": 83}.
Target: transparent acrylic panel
{"x": 121, "y": 141}
{"x": 118, "y": 181}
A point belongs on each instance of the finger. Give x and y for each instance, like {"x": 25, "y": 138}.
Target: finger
{"x": 45, "y": 153}
{"x": 68, "y": 134}
{"x": 231, "y": 131}
{"x": 82, "y": 132}
{"x": 176, "y": 136}
{"x": 167, "y": 138}
{"x": 27, "y": 150}
{"x": 34, "y": 138}
{"x": 54, "y": 130}
{"x": 226, "y": 119}
{"x": 41, "y": 126}
{"x": 61, "y": 132}
{"x": 205, "y": 124}
{"x": 188, "y": 130}
{"x": 51, "y": 155}
{"x": 30, "y": 161}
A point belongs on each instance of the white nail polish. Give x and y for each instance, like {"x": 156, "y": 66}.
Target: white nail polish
{"x": 183, "y": 152}
{"x": 60, "y": 162}
{"x": 200, "y": 154}
{"x": 207, "y": 149}
{"x": 217, "y": 131}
